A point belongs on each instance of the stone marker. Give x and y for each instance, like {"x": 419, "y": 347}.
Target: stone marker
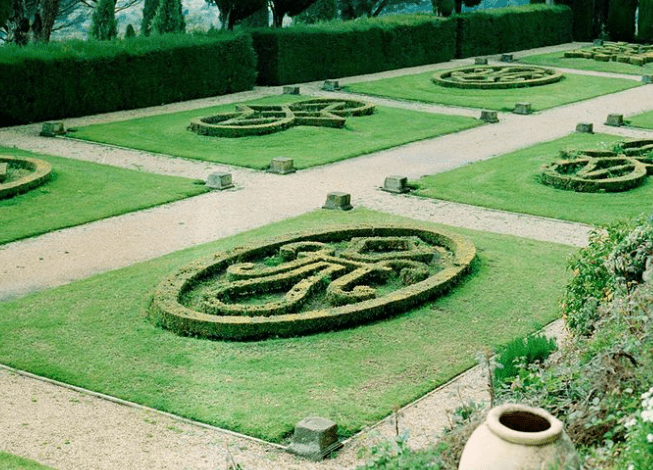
{"x": 331, "y": 85}
{"x": 522, "y": 108}
{"x": 480, "y": 61}
{"x": 291, "y": 90}
{"x": 489, "y": 116}
{"x": 506, "y": 58}
{"x": 51, "y": 129}
{"x": 338, "y": 201}
{"x": 396, "y": 184}
{"x": 616, "y": 120}
{"x": 219, "y": 180}
{"x": 282, "y": 166}
{"x": 314, "y": 438}
{"x": 647, "y": 79}
{"x": 3, "y": 172}
{"x": 585, "y": 127}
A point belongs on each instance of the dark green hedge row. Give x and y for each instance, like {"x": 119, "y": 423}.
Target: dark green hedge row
{"x": 77, "y": 78}
{"x": 645, "y": 21}
{"x": 309, "y": 53}
{"x": 512, "y": 29}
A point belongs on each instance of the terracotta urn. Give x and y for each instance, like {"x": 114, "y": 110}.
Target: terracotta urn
{"x": 519, "y": 437}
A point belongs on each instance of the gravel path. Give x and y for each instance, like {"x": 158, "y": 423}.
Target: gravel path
{"x": 72, "y": 429}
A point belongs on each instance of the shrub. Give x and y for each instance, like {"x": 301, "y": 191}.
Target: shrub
{"x": 522, "y": 352}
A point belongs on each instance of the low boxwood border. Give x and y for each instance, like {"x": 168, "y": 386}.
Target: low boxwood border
{"x": 40, "y": 173}
{"x": 558, "y": 176}
{"x": 443, "y": 78}
{"x": 167, "y": 310}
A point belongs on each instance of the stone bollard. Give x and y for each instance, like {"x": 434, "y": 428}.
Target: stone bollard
{"x": 331, "y": 85}
{"x": 507, "y": 58}
{"x": 616, "y": 120}
{"x": 489, "y": 116}
{"x": 480, "y": 61}
{"x": 585, "y": 127}
{"x": 51, "y": 129}
{"x": 315, "y": 438}
{"x": 338, "y": 201}
{"x": 396, "y": 184}
{"x": 291, "y": 90}
{"x": 648, "y": 79}
{"x": 219, "y": 180}
{"x": 522, "y": 108}
{"x": 282, "y": 166}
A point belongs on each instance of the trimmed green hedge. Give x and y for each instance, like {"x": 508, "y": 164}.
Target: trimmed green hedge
{"x": 76, "y": 78}
{"x": 309, "y": 53}
{"x": 40, "y": 172}
{"x": 645, "y": 21}
{"x": 512, "y": 29}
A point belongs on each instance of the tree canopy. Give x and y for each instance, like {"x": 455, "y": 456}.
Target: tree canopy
{"x": 234, "y": 11}
{"x": 281, "y": 8}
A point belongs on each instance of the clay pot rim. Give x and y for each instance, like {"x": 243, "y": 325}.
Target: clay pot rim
{"x": 519, "y": 437}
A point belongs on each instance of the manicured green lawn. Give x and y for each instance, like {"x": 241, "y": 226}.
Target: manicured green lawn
{"x": 95, "y": 333}
{"x": 510, "y": 182}
{"x": 308, "y": 146}
{"x": 81, "y": 192}
{"x": 13, "y": 462}
{"x": 419, "y": 87}
{"x": 557, "y": 59}
{"x": 644, "y": 120}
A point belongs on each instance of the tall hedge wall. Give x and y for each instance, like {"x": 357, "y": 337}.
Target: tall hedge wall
{"x": 76, "y": 78}
{"x": 301, "y": 54}
{"x": 645, "y": 21}
{"x": 621, "y": 20}
{"x": 511, "y": 29}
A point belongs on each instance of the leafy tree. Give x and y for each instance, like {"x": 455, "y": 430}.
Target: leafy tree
{"x": 350, "y": 9}
{"x": 130, "y": 32}
{"x": 169, "y": 17}
{"x": 645, "y": 21}
{"x": 234, "y": 11}
{"x": 259, "y": 19}
{"x": 103, "y": 22}
{"x": 621, "y": 20}
{"x": 322, "y": 10}
{"x": 281, "y": 8}
{"x": 443, "y": 7}
{"x": 31, "y": 21}
{"x": 149, "y": 10}
{"x": 467, "y": 3}
{"x": 5, "y": 10}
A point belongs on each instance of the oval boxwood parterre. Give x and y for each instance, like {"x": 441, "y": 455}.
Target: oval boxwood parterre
{"x": 21, "y": 174}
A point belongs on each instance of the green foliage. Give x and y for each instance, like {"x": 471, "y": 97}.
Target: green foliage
{"x": 78, "y": 78}
{"x": 149, "y": 10}
{"x": 5, "y": 10}
{"x": 104, "y": 26}
{"x": 522, "y": 352}
{"x": 512, "y": 29}
{"x": 322, "y": 10}
{"x": 130, "y": 32}
{"x": 621, "y": 20}
{"x": 234, "y": 11}
{"x": 584, "y": 16}
{"x": 13, "y": 462}
{"x": 645, "y": 21}
{"x": 444, "y": 7}
{"x": 639, "y": 437}
{"x": 396, "y": 455}
{"x": 169, "y": 18}
{"x": 325, "y": 51}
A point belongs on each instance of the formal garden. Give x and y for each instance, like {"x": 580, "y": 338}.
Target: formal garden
{"x": 347, "y": 312}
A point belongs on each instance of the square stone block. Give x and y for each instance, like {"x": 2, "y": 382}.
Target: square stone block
{"x": 51, "y": 129}
{"x": 507, "y": 58}
{"x": 522, "y": 108}
{"x": 291, "y": 90}
{"x": 338, "y": 201}
{"x": 396, "y": 184}
{"x": 331, "y": 85}
{"x": 3, "y": 172}
{"x": 315, "y": 438}
{"x": 480, "y": 61}
{"x": 585, "y": 127}
{"x": 616, "y": 120}
{"x": 282, "y": 166}
{"x": 489, "y": 116}
{"x": 219, "y": 180}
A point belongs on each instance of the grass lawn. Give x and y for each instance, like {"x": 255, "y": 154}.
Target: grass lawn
{"x": 419, "y": 87}
{"x": 644, "y": 120}
{"x": 557, "y": 59}
{"x": 94, "y": 333}
{"x": 510, "y": 182}
{"x": 81, "y": 192}
{"x": 308, "y": 146}
{"x": 13, "y": 462}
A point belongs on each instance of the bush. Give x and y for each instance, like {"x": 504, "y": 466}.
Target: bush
{"x": 332, "y": 50}
{"x": 77, "y": 78}
{"x": 522, "y": 352}
{"x": 512, "y": 29}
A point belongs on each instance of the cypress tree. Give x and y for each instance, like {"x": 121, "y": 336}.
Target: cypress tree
{"x": 621, "y": 20}
{"x": 103, "y": 23}
{"x": 130, "y": 32}
{"x": 149, "y": 10}
{"x": 645, "y": 21}
{"x": 169, "y": 17}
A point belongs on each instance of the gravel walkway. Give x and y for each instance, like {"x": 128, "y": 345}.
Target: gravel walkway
{"x": 72, "y": 429}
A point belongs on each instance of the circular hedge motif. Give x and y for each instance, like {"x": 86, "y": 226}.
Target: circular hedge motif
{"x": 20, "y": 174}
{"x": 312, "y": 282}
{"x": 496, "y": 76}
{"x": 263, "y": 119}
{"x": 587, "y": 174}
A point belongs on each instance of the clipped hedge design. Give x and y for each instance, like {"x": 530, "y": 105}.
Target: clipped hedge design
{"x": 20, "y": 174}
{"x": 266, "y": 119}
{"x": 628, "y": 53}
{"x": 496, "y": 76}
{"x": 311, "y": 282}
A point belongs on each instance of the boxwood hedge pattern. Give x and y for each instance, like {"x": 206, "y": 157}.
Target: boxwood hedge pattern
{"x": 20, "y": 174}
{"x": 628, "y": 53}
{"x": 266, "y": 119}
{"x": 496, "y": 76}
{"x": 311, "y": 282}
